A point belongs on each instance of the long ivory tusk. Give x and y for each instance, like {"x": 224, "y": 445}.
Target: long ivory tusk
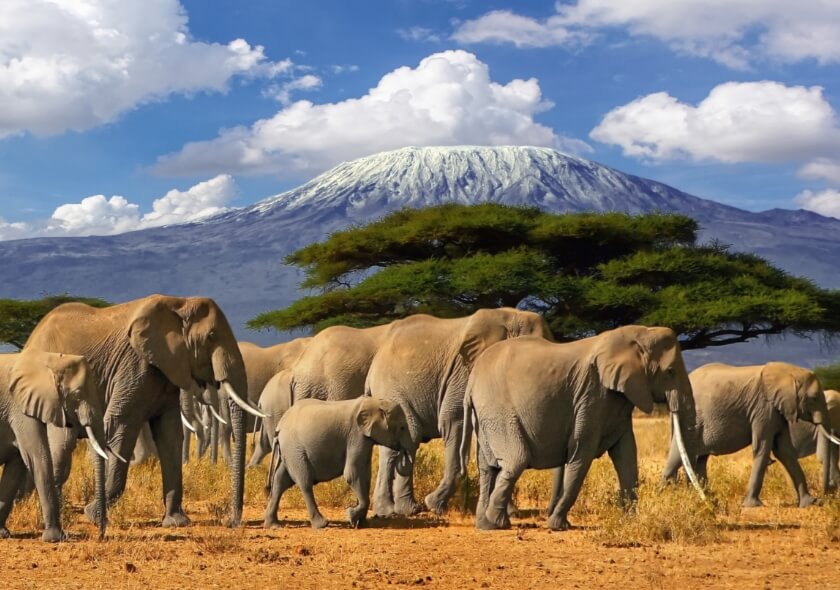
{"x": 828, "y": 435}
{"x": 94, "y": 443}
{"x": 228, "y": 389}
{"x": 187, "y": 424}
{"x": 675, "y": 426}
{"x": 216, "y": 415}
{"x": 117, "y": 455}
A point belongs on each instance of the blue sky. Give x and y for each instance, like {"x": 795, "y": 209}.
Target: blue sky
{"x": 125, "y": 115}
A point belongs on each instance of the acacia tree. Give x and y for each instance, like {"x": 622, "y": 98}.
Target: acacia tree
{"x": 585, "y": 272}
{"x": 19, "y": 317}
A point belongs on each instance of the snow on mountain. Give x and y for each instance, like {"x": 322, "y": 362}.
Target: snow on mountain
{"x": 237, "y": 257}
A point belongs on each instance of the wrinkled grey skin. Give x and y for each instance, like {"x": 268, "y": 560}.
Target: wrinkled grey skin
{"x": 275, "y": 400}
{"x": 423, "y": 365}
{"x": 141, "y": 354}
{"x": 537, "y": 404}
{"x": 321, "y": 440}
{"x": 807, "y": 440}
{"x": 66, "y": 396}
{"x": 753, "y": 405}
{"x": 261, "y": 364}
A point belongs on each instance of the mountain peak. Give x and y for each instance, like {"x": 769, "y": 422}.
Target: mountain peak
{"x": 513, "y": 175}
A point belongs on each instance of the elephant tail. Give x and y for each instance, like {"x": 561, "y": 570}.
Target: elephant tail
{"x": 273, "y": 463}
{"x": 469, "y": 425}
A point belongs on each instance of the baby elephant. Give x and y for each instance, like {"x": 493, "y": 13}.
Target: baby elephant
{"x": 319, "y": 440}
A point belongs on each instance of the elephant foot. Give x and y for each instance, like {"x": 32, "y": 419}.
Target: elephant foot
{"x": 272, "y": 523}
{"x": 497, "y": 519}
{"x": 559, "y": 523}
{"x": 92, "y": 513}
{"x": 750, "y": 502}
{"x": 178, "y": 519}
{"x": 436, "y": 503}
{"x": 54, "y": 535}
{"x": 408, "y": 507}
{"x": 4, "y": 533}
{"x": 384, "y": 507}
{"x": 357, "y": 517}
{"x": 807, "y": 500}
{"x": 318, "y": 522}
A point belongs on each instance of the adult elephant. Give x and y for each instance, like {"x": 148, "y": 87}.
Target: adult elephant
{"x": 423, "y": 365}
{"x": 39, "y": 388}
{"x": 275, "y": 400}
{"x": 754, "y": 405}
{"x": 543, "y": 405}
{"x": 141, "y": 354}
{"x": 808, "y": 440}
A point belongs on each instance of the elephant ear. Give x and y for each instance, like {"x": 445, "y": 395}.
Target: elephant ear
{"x": 368, "y": 416}
{"x": 35, "y": 386}
{"x": 621, "y": 362}
{"x": 486, "y": 327}
{"x": 782, "y": 388}
{"x": 157, "y": 335}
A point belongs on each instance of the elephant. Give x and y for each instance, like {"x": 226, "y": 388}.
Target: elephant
{"x": 539, "y": 404}
{"x": 319, "y": 440}
{"x": 807, "y": 440}
{"x": 275, "y": 400}
{"x": 39, "y": 388}
{"x": 753, "y": 405}
{"x": 423, "y": 365}
{"x": 141, "y": 353}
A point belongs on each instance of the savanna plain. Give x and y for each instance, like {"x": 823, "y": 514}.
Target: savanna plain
{"x": 672, "y": 539}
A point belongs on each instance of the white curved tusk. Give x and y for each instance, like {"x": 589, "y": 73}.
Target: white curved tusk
{"x": 228, "y": 389}
{"x": 117, "y": 455}
{"x": 828, "y": 435}
{"x": 216, "y": 415}
{"x": 675, "y": 426}
{"x": 94, "y": 443}
{"x": 187, "y": 424}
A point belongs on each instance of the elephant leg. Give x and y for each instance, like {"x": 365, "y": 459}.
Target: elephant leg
{"x": 556, "y": 489}
{"x": 574, "y": 474}
{"x": 439, "y": 498}
{"x": 225, "y": 436}
{"x": 13, "y": 478}
{"x": 702, "y": 469}
{"x": 404, "y": 501}
{"x": 305, "y": 483}
{"x": 788, "y": 457}
{"x": 761, "y": 459}
{"x": 62, "y": 444}
{"x": 496, "y": 515}
{"x": 672, "y": 465}
{"x": 357, "y": 475}
{"x": 27, "y": 486}
{"x": 123, "y": 441}
{"x": 281, "y": 481}
{"x": 487, "y": 475}
{"x": 185, "y": 446}
{"x": 834, "y": 459}
{"x": 34, "y": 449}
{"x": 625, "y": 461}
{"x": 261, "y": 446}
{"x": 824, "y": 455}
{"x": 167, "y": 432}
{"x": 383, "y": 499}
{"x": 214, "y": 442}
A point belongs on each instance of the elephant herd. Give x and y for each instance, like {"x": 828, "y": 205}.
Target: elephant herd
{"x": 144, "y": 376}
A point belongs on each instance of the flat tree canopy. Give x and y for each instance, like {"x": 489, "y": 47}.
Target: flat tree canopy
{"x": 585, "y": 272}
{"x": 19, "y": 317}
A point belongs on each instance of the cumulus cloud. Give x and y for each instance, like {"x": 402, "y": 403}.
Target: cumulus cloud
{"x": 737, "y": 122}
{"x": 100, "y": 215}
{"x": 448, "y": 99}
{"x": 283, "y": 92}
{"x": 75, "y": 65}
{"x": 822, "y": 169}
{"x": 418, "y": 34}
{"x": 826, "y": 202}
{"x": 732, "y": 32}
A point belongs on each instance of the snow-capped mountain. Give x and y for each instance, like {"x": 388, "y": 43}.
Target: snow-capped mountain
{"x": 237, "y": 257}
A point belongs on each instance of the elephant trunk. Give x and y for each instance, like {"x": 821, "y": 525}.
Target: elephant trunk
{"x": 101, "y": 510}
{"x": 237, "y": 463}
{"x": 405, "y": 463}
{"x": 684, "y": 428}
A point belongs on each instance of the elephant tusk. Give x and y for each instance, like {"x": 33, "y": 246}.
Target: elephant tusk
{"x": 828, "y": 435}
{"x": 228, "y": 389}
{"x": 675, "y": 426}
{"x": 94, "y": 443}
{"x": 187, "y": 424}
{"x": 117, "y": 455}
{"x": 216, "y": 415}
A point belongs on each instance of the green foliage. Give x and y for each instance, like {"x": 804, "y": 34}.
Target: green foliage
{"x": 19, "y": 317}
{"x": 585, "y": 272}
{"x": 829, "y": 375}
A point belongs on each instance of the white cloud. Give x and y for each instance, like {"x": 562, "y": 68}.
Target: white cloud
{"x": 75, "y": 64}
{"x": 448, "y": 99}
{"x": 732, "y": 32}
{"x": 341, "y": 69}
{"x": 826, "y": 202}
{"x": 283, "y": 92}
{"x": 737, "y": 122}
{"x": 821, "y": 169}
{"x": 100, "y": 215}
{"x": 418, "y": 34}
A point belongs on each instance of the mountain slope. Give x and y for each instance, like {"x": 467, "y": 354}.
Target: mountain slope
{"x": 237, "y": 257}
